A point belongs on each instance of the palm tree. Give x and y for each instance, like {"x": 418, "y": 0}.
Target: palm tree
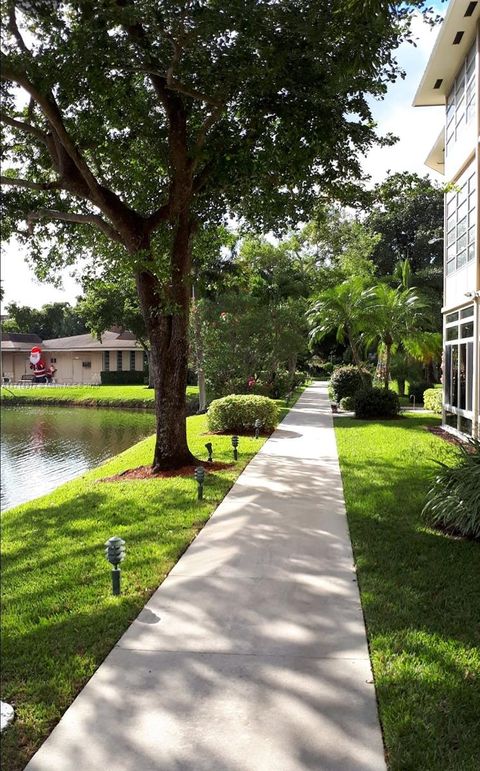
{"x": 391, "y": 316}
{"x": 340, "y": 308}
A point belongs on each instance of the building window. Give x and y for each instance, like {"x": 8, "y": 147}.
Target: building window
{"x": 87, "y": 364}
{"x": 53, "y": 360}
{"x": 461, "y": 222}
{"x": 119, "y": 361}
{"x": 106, "y": 361}
{"x": 458, "y": 370}
{"x": 461, "y": 101}
{"x": 132, "y": 360}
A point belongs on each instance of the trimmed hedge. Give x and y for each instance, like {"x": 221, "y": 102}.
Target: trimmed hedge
{"x": 123, "y": 377}
{"x": 433, "y": 399}
{"x": 346, "y": 381}
{"x": 376, "y": 403}
{"x": 237, "y": 413}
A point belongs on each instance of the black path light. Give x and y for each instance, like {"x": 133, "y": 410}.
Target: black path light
{"x": 258, "y": 425}
{"x": 115, "y": 554}
{"x": 209, "y": 447}
{"x": 200, "y": 477}
{"x": 235, "y": 445}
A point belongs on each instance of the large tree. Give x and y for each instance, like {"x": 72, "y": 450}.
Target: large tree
{"x": 407, "y": 213}
{"x": 131, "y": 124}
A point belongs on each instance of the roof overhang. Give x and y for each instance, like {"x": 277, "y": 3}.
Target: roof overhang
{"x": 436, "y": 157}
{"x": 447, "y": 55}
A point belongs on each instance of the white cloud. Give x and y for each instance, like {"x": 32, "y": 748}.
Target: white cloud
{"x": 21, "y": 286}
{"x": 416, "y": 127}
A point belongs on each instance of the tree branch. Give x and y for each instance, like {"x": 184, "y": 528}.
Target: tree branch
{"x": 84, "y": 219}
{"x": 13, "y": 28}
{"x": 27, "y": 128}
{"x": 16, "y": 182}
{"x": 172, "y": 84}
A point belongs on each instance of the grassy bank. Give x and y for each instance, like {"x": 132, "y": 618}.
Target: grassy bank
{"x": 420, "y": 595}
{"x": 88, "y": 396}
{"x": 59, "y": 618}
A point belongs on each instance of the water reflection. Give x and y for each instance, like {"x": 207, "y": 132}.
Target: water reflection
{"x": 42, "y": 447}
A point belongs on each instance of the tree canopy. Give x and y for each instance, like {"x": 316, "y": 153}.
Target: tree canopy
{"x": 140, "y": 123}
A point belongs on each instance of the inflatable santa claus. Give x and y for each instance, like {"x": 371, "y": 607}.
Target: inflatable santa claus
{"x": 41, "y": 373}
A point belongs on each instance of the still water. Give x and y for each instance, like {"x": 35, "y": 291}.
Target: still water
{"x": 42, "y": 447}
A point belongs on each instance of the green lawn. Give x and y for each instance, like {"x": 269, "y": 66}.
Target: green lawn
{"x": 420, "y": 593}
{"x": 96, "y": 396}
{"x": 59, "y": 617}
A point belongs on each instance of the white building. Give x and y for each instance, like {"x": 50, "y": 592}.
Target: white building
{"x": 78, "y": 360}
{"x": 451, "y": 78}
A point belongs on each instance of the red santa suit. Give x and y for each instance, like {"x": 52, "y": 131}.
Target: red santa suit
{"x": 37, "y": 364}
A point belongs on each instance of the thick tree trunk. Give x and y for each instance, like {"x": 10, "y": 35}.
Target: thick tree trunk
{"x": 166, "y": 309}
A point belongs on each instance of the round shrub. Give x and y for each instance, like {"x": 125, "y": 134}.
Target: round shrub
{"x": 346, "y": 381}
{"x": 237, "y": 413}
{"x": 347, "y": 404}
{"x": 376, "y": 403}
{"x": 432, "y": 400}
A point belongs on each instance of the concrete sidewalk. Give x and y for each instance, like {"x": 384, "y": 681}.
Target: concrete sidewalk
{"x": 252, "y": 655}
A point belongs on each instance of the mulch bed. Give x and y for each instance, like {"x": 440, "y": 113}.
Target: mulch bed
{"x": 146, "y": 472}
{"x": 446, "y": 435}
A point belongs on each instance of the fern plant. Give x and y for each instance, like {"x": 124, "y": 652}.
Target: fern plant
{"x": 454, "y": 498}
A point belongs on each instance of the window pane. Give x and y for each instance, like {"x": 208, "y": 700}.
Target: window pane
{"x": 466, "y": 330}
{"x": 465, "y": 425}
{"x": 447, "y": 373}
{"x": 119, "y": 361}
{"x": 465, "y": 313}
{"x": 451, "y": 419}
{"x": 452, "y": 317}
{"x": 454, "y": 371}
{"x": 461, "y": 258}
{"x": 462, "y": 377}
{"x": 471, "y": 253}
{"x": 450, "y": 266}
{"x": 469, "y": 376}
{"x": 451, "y": 221}
{"x": 462, "y": 227}
{"x": 452, "y": 333}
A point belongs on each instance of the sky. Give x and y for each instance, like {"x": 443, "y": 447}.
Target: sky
{"x": 417, "y": 129}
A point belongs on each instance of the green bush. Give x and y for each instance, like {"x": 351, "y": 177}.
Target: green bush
{"x": 346, "y": 381}
{"x": 123, "y": 377}
{"x": 453, "y": 501}
{"x": 417, "y": 390}
{"x": 237, "y": 413}
{"x": 347, "y": 403}
{"x": 432, "y": 400}
{"x": 376, "y": 403}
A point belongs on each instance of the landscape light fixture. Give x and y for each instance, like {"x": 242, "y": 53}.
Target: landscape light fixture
{"x": 258, "y": 425}
{"x": 235, "y": 445}
{"x": 200, "y": 477}
{"x": 209, "y": 450}
{"x": 115, "y": 554}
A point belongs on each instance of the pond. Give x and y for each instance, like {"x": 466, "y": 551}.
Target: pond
{"x": 42, "y": 447}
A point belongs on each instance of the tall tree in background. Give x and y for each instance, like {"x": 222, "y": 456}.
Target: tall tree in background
{"x": 144, "y": 121}
{"x": 407, "y": 214}
{"x": 50, "y": 321}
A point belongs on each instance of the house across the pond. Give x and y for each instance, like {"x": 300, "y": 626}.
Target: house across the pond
{"x": 78, "y": 360}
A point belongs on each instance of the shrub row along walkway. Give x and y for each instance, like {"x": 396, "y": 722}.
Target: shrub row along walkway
{"x": 252, "y": 655}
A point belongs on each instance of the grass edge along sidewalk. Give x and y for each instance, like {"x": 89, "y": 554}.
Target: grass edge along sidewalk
{"x": 59, "y": 617}
{"x": 419, "y": 592}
